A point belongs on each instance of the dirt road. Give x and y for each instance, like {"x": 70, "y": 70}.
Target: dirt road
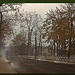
{"x": 6, "y": 67}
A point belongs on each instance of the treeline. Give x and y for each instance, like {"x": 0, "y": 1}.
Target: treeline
{"x": 30, "y": 33}
{"x": 59, "y": 26}
{"x": 58, "y": 29}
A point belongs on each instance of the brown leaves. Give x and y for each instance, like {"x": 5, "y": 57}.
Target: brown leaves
{"x": 61, "y": 27}
{"x": 5, "y": 28}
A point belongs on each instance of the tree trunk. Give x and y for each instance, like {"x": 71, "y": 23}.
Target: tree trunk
{"x": 61, "y": 48}
{"x": 40, "y": 44}
{"x": 57, "y": 49}
{"x": 35, "y": 44}
{"x": 28, "y": 40}
{"x": 54, "y": 48}
{"x": 0, "y": 26}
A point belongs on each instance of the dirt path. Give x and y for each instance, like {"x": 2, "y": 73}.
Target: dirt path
{"x": 6, "y": 67}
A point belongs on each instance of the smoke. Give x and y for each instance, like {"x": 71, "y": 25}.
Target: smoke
{"x": 3, "y": 53}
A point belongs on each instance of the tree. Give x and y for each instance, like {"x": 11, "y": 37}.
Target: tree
{"x": 40, "y": 39}
{"x": 30, "y": 20}
{"x": 37, "y": 34}
{"x": 18, "y": 43}
{"x": 4, "y": 24}
{"x": 59, "y": 26}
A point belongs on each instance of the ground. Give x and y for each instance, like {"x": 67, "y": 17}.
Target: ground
{"x": 6, "y": 67}
{"x": 26, "y": 65}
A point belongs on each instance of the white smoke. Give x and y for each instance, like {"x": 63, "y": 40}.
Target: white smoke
{"x": 3, "y": 53}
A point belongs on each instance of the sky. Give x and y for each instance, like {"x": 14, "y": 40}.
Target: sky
{"x": 40, "y": 8}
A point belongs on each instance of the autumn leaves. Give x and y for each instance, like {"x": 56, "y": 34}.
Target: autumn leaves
{"x": 59, "y": 25}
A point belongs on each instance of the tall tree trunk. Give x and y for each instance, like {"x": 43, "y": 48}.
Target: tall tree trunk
{"x": 40, "y": 43}
{"x": 1, "y": 16}
{"x": 57, "y": 49}
{"x": 61, "y": 48}
{"x": 28, "y": 40}
{"x": 54, "y": 48}
{"x": 29, "y": 43}
{"x": 51, "y": 51}
{"x": 35, "y": 44}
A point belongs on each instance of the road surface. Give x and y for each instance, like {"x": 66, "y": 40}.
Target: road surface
{"x": 35, "y": 66}
{"x": 6, "y": 67}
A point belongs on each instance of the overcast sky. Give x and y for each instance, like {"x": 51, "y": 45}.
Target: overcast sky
{"x": 40, "y": 8}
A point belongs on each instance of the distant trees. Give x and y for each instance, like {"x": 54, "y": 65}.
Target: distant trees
{"x": 19, "y": 44}
{"x": 30, "y": 26}
{"x": 31, "y": 21}
{"x": 59, "y": 26}
{"x": 37, "y": 34}
{"x": 58, "y": 29}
